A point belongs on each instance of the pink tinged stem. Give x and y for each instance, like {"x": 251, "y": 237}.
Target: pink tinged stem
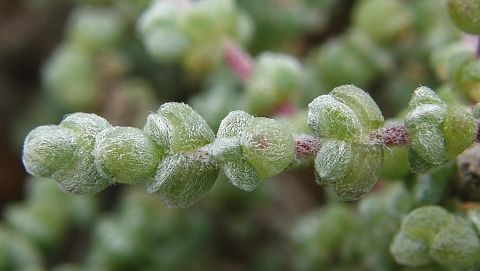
{"x": 239, "y": 61}
{"x": 306, "y": 146}
{"x": 478, "y": 131}
{"x": 478, "y": 48}
{"x": 390, "y": 136}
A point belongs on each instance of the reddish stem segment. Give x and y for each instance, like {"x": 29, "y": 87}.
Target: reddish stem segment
{"x": 391, "y": 136}
{"x": 478, "y": 131}
{"x": 306, "y": 146}
{"x": 478, "y": 48}
{"x": 239, "y": 61}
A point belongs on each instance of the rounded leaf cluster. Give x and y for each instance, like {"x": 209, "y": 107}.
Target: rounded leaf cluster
{"x": 383, "y": 20}
{"x": 69, "y": 77}
{"x": 227, "y": 151}
{"x": 85, "y": 154}
{"x": 186, "y": 173}
{"x": 457, "y": 64}
{"x": 64, "y": 153}
{"x": 346, "y": 161}
{"x": 465, "y": 14}
{"x": 192, "y": 33}
{"x": 430, "y": 234}
{"x": 275, "y": 79}
{"x": 436, "y": 131}
{"x": 96, "y": 28}
{"x": 347, "y": 113}
{"x": 250, "y": 149}
{"x": 353, "y": 58}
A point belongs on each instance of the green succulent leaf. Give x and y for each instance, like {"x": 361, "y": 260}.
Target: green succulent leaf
{"x": 330, "y": 118}
{"x": 47, "y": 149}
{"x": 425, "y": 222}
{"x": 362, "y": 172}
{"x": 362, "y": 104}
{"x": 234, "y": 124}
{"x": 80, "y": 176}
{"x": 224, "y": 150}
{"x": 465, "y": 14}
{"x": 460, "y": 130}
{"x": 425, "y": 132}
{"x": 159, "y": 129}
{"x": 242, "y": 174}
{"x": 418, "y": 164}
{"x": 352, "y": 169}
{"x": 275, "y": 79}
{"x": 268, "y": 145}
{"x": 85, "y": 126}
{"x": 182, "y": 179}
{"x": 125, "y": 154}
{"x": 456, "y": 245}
{"x": 422, "y": 96}
{"x": 332, "y": 160}
{"x": 410, "y": 251}
{"x": 188, "y": 130}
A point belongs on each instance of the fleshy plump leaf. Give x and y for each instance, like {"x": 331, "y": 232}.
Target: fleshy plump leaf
{"x": 431, "y": 234}
{"x": 422, "y": 96}
{"x": 47, "y": 149}
{"x": 329, "y": 118}
{"x": 362, "y": 104}
{"x": 182, "y": 179}
{"x": 410, "y": 251}
{"x": 425, "y": 133}
{"x": 436, "y": 131}
{"x": 465, "y": 14}
{"x": 80, "y": 176}
{"x": 362, "y": 172}
{"x": 188, "y": 130}
{"x": 234, "y": 124}
{"x": 456, "y": 245}
{"x": 228, "y": 151}
{"x": 125, "y": 154}
{"x": 460, "y": 130}
{"x": 347, "y": 113}
{"x": 275, "y": 79}
{"x": 332, "y": 160}
{"x": 351, "y": 168}
{"x": 268, "y": 145}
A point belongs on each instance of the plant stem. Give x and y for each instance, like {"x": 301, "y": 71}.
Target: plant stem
{"x": 239, "y": 61}
{"x": 478, "y": 48}
{"x": 390, "y": 136}
{"x": 306, "y": 146}
{"x": 477, "y": 139}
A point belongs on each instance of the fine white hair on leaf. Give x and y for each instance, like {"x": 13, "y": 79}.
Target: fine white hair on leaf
{"x": 242, "y": 174}
{"x": 80, "y": 176}
{"x": 268, "y": 146}
{"x": 85, "y": 126}
{"x": 159, "y": 129}
{"x": 188, "y": 129}
{"x": 234, "y": 124}
{"x": 362, "y": 104}
{"x": 424, "y": 127}
{"x": 331, "y": 162}
{"x": 182, "y": 179}
{"x": 424, "y": 95}
{"x": 330, "y": 118}
{"x": 47, "y": 149}
{"x": 125, "y": 154}
{"x": 362, "y": 172}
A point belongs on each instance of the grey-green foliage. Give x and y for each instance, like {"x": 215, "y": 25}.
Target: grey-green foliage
{"x": 431, "y": 234}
